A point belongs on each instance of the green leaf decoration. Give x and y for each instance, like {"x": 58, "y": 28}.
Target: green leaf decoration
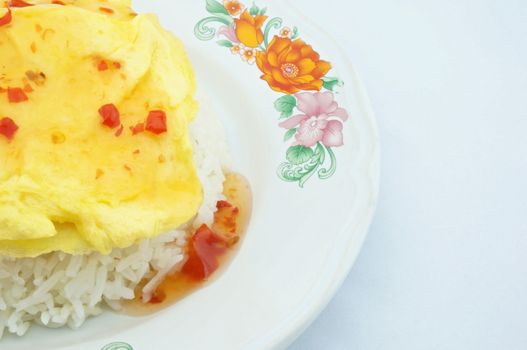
{"x": 215, "y": 7}
{"x": 285, "y": 105}
{"x": 254, "y": 10}
{"x": 294, "y": 33}
{"x": 302, "y": 172}
{"x": 299, "y": 154}
{"x": 289, "y": 134}
{"x": 225, "y": 43}
{"x": 118, "y": 346}
{"x": 263, "y": 11}
{"x": 330, "y": 83}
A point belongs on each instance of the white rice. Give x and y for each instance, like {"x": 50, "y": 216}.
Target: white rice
{"x": 58, "y": 289}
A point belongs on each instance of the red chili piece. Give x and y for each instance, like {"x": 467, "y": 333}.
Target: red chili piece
{"x": 6, "y": 19}
{"x": 119, "y": 131}
{"x": 102, "y": 66}
{"x": 156, "y": 122}
{"x": 157, "y": 297}
{"x": 8, "y": 128}
{"x": 16, "y": 95}
{"x": 58, "y": 2}
{"x": 223, "y": 204}
{"x": 138, "y": 128}
{"x": 20, "y": 3}
{"x": 205, "y": 248}
{"x": 110, "y": 115}
{"x": 106, "y": 10}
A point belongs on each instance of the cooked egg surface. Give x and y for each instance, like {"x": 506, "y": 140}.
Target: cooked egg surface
{"x": 77, "y": 179}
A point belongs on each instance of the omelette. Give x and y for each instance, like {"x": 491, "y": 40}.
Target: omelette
{"x": 95, "y": 104}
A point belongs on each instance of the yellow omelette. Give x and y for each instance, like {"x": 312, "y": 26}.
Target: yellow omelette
{"x": 76, "y": 176}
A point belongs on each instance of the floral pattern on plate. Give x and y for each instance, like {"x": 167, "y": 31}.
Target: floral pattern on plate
{"x": 118, "y": 346}
{"x": 309, "y": 113}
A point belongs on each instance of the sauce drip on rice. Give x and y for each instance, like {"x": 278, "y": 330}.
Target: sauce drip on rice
{"x": 216, "y": 246}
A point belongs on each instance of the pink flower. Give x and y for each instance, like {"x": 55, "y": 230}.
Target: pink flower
{"x": 316, "y": 125}
{"x": 229, "y": 32}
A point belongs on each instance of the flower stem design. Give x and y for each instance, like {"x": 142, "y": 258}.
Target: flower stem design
{"x": 204, "y": 32}
{"x": 275, "y": 23}
{"x": 325, "y": 174}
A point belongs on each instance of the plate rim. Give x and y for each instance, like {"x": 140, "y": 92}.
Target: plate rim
{"x": 287, "y": 336}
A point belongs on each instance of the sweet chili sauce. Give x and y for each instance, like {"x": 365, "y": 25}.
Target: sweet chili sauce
{"x": 230, "y": 225}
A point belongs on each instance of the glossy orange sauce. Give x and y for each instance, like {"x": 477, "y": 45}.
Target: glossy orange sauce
{"x": 231, "y": 222}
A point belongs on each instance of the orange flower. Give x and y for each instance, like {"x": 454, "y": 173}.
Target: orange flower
{"x": 292, "y": 66}
{"x": 249, "y": 29}
{"x": 233, "y": 7}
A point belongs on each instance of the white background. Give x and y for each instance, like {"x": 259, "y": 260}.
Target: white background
{"x": 445, "y": 263}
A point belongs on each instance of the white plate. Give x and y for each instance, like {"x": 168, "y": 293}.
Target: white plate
{"x": 302, "y": 241}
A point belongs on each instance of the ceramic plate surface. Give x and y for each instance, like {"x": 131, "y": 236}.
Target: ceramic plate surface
{"x": 305, "y": 137}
